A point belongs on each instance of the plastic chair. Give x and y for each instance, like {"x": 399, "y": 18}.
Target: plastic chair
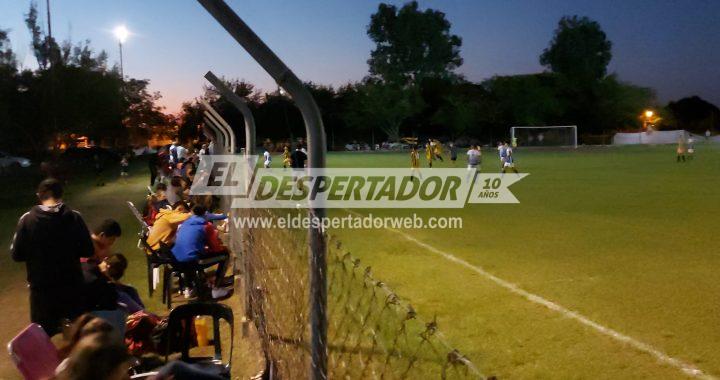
{"x": 179, "y": 334}
{"x": 156, "y": 258}
{"x": 34, "y": 355}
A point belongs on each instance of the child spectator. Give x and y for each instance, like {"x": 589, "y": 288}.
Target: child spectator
{"x": 166, "y": 224}
{"x": 124, "y": 164}
{"x": 114, "y": 267}
{"x": 103, "y": 237}
{"x": 191, "y": 245}
{"x": 97, "y": 356}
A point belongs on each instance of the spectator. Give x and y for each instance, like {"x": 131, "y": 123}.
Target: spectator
{"x": 182, "y": 153}
{"x": 153, "y": 163}
{"x": 124, "y": 166}
{"x": 166, "y": 224}
{"x": 83, "y": 326}
{"x": 175, "y": 190}
{"x": 114, "y": 267}
{"x": 161, "y": 201}
{"x": 51, "y": 238}
{"x": 99, "y": 165}
{"x": 97, "y": 356}
{"x": 99, "y": 292}
{"x": 191, "y": 245}
{"x": 172, "y": 153}
{"x": 103, "y": 237}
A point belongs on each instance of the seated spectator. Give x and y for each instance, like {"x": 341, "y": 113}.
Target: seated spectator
{"x": 97, "y": 356}
{"x": 103, "y": 237}
{"x": 166, "y": 224}
{"x": 191, "y": 245}
{"x": 83, "y": 326}
{"x": 99, "y": 292}
{"x": 114, "y": 267}
{"x": 175, "y": 190}
{"x": 160, "y": 194}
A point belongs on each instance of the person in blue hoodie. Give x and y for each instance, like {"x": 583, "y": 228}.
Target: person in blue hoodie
{"x": 191, "y": 245}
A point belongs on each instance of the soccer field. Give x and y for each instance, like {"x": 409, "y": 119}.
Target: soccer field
{"x": 607, "y": 268}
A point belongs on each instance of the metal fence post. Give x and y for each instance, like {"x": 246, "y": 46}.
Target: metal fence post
{"x": 242, "y": 106}
{"x": 284, "y": 77}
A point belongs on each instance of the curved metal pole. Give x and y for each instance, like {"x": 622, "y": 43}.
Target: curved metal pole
{"x": 241, "y": 105}
{"x": 227, "y": 130}
{"x": 218, "y": 125}
{"x": 315, "y": 131}
{"x": 219, "y": 138}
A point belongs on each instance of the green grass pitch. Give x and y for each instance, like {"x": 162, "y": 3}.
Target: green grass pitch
{"x": 626, "y": 237}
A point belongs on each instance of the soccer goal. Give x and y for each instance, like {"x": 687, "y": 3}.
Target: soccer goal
{"x": 550, "y": 136}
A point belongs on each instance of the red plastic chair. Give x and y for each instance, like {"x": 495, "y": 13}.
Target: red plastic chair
{"x": 34, "y": 355}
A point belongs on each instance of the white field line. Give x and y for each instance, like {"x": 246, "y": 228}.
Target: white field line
{"x": 662, "y": 357}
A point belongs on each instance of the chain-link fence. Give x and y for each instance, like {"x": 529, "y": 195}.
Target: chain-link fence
{"x": 372, "y": 331}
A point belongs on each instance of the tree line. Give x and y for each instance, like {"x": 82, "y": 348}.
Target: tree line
{"x": 74, "y": 92}
{"x": 413, "y": 89}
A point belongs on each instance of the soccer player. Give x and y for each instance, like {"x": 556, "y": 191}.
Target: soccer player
{"x": 474, "y": 157}
{"x": 509, "y": 162}
{"x": 502, "y": 152}
{"x": 429, "y": 154}
{"x": 437, "y": 149}
{"x": 453, "y": 153}
{"x": 415, "y": 161}
{"x": 286, "y": 157}
{"x": 681, "y": 150}
{"x": 267, "y": 158}
{"x": 690, "y": 148}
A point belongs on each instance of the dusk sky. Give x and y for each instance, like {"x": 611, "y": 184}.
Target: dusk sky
{"x": 671, "y": 46}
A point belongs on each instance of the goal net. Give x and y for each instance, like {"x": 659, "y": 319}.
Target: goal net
{"x": 551, "y": 136}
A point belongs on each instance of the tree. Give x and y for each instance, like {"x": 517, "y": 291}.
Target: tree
{"x": 411, "y": 44}
{"x": 579, "y": 50}
{"x": 384, "y": 106}
{"x": 7, "y": 56}
{"x": 619, "y": 104}
{"x": 46, "y": 50}
{"x": 526, "y": 99}
{"x": 695, "y": 114}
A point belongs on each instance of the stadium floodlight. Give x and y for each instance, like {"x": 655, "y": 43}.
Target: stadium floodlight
{"x": 545, "y": 136}
{"x": 121, "y": 33}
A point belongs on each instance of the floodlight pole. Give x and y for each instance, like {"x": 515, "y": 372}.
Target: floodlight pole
{"x": 315, "y": 131}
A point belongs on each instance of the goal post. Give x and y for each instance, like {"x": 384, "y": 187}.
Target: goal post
{"x": 545, "y": 136}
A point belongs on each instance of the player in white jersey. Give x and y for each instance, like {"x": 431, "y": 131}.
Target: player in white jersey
{"x": 509, "y": 161}
{"x": 268, "y": 159}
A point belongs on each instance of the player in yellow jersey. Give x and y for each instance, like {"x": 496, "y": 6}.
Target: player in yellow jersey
{"x": 437, "y": 149}
{"x": 286, "y": 157}
{"x": 415, "y": 161}
{"x": 429, "y": 154}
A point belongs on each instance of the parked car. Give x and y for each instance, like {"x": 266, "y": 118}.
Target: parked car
{"x": 9, "y": 162}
